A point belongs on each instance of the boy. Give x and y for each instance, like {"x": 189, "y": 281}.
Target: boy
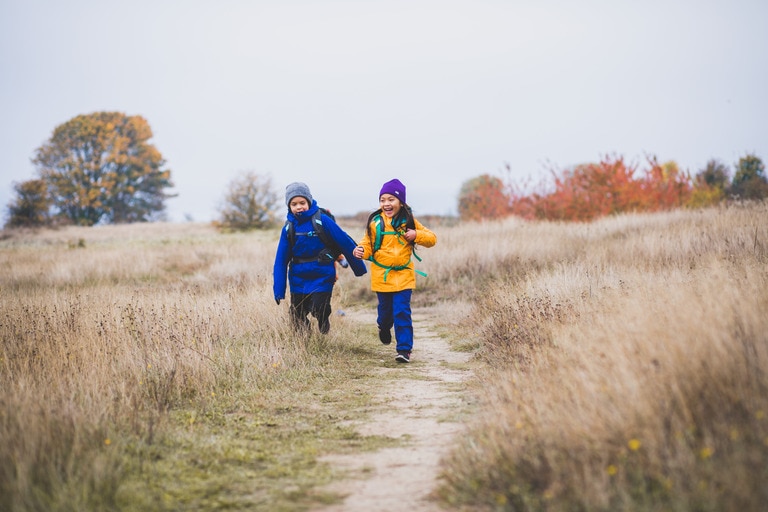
{"x": 306, "y": 254}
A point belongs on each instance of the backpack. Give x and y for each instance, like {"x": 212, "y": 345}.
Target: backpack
{"x": 402, "y": 224}
{"x": 379, "y": 220}
{"x": 330, "y": 252}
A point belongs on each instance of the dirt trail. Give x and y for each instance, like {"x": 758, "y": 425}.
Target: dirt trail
{"x": 421, "y": 403}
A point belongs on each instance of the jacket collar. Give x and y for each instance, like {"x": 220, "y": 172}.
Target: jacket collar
{"x": 303, "y": 216}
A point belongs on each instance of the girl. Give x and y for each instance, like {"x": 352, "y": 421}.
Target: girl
{"x": 309, "y": 244}
{"x": 391, "y": 235}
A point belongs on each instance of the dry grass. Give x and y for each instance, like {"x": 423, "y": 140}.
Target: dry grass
{"x": 626, "y": 368}
{"x": 125, "y": 349}
{"x": 147, "y": 367}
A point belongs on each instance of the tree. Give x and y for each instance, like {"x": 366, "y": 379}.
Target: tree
{"x": 665, "y": 186}
{"x": 30, "y": 208}
{"x": 749, "y": 181}
{"x": 483, "y": 197}
{"x": 709, "y": 185}
{"x": 100, "y": 167}
{"x": 715, "y": 174}
{"x": 250, "y": 202}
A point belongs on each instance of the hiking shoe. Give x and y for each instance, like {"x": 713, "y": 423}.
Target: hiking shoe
{"x": 385, "y": 335}
{"x": 403, "y": 356}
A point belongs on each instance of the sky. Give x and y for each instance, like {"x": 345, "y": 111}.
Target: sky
{"x": 346, "y": 95}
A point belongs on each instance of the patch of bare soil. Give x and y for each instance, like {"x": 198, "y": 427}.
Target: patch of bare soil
{"x": 422, "y": 407}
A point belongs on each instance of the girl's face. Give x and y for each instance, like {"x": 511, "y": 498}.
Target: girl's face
{"x": 390, "y": 205}
{"x": 298, "y": 204}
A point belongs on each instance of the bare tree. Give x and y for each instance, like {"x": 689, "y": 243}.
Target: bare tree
{"x": 250, "y": 202}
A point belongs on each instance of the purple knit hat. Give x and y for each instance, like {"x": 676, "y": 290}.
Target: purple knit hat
{"x": 394, "y": 187}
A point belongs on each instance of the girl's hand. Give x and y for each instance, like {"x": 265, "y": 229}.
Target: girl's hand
{"x": 410, "y": 235}
{"x": 358, "y": 252}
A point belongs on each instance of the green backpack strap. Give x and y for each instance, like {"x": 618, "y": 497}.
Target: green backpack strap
{"x": 380, "y": 233}
{"x": 377, "y": 245}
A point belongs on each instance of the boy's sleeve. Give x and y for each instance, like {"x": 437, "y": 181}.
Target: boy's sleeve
{"x": 280, "y": 269}
{"x": 347, "y": 245}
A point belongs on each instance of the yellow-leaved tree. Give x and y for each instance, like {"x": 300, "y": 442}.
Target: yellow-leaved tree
{"x": 100, "y": 168}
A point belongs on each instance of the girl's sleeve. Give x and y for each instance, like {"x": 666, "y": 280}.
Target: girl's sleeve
{"x": 280, "y": 269}
{"x": 424, "y": 236}
{"x": 365, "y": 243}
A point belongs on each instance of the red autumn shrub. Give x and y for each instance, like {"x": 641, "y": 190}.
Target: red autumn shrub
{"x": 593, "y": 190}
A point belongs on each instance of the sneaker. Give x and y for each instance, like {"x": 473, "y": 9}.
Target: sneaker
{"x": 385, "y": 336}
{"x": 403, "y": 356}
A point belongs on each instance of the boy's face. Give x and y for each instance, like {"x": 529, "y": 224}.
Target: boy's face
{"x": 298, "y": 204}
{"x": 389, "y": 204}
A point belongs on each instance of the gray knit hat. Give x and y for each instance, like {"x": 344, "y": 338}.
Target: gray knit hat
{"x": 297, "y": 189}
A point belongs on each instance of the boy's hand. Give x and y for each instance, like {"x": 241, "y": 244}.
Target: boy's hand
{"x": 410, "y": 235}
{"x": 358, "y": 252}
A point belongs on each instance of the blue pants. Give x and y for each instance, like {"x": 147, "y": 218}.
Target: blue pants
{"x": 395, "y": 309}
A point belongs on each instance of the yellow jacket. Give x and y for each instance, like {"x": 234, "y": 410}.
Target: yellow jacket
{"x": 395, "y": 251}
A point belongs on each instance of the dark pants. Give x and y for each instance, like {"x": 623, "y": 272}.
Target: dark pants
{"x": 395, "y": 309}
{"x": 317, "y": 304}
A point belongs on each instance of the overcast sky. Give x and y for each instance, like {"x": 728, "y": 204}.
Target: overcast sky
{"x": 345, "y": 95}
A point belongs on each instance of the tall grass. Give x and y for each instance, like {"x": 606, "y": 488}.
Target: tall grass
{"x": 104, "y": 331}
{"x": 625, "y": 360}
{"x": 627, "y": 366}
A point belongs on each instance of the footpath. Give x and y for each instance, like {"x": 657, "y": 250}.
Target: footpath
{"x": 422, "y": 407}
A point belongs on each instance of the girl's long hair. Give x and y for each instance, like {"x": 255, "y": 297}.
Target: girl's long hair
{"x": 404, "y": 213}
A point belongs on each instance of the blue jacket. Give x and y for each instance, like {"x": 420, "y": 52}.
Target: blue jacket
{"x": 310, "y": 275}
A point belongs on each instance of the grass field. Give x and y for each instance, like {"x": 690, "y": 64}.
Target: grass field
{"x": 623, "y": 367}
